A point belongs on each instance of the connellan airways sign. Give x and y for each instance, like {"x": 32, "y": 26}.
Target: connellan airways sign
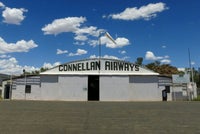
{"x": 99, "y": 67}
{"x": 106, "y": 65}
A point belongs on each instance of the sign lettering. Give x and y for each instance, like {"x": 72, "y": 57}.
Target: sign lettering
{"x": 96, "y": 65}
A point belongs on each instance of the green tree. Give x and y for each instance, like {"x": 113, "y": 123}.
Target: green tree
{"x": 43, "y": 69}
{"x": 196, "y": 76}
{"x": 164, "y": 69}
{"x": 36, "y": 72}
{"x": 139, "y": 61}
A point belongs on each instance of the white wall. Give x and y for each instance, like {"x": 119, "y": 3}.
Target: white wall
{"x": 74, "y": 88}
{"x": 144, "y": 88}
{"x": 178, "y": 93}
{"x": 70, "y": 88}
{"x": 133, "y": 88}
{"x": 114, "y": 88}
{"x": 49, "y": 86}
{"x": 2, "y": 88}
{"x": 19, "y": 93}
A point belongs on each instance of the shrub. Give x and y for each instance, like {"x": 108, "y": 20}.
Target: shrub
{"x": 197, "y": 99}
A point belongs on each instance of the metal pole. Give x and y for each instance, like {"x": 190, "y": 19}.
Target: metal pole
{"x": 100, "y": 45}
{"x": 192, "y": 75}
{"x": 10, "y": 93}
{"x": 25, "y": 85}
{"x": 100, "y": 32}
{"x": 109, "y": 37}
{"x": 24, "y": 71}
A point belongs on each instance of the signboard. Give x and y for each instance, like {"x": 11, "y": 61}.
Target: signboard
{"x": 98, "y": 67}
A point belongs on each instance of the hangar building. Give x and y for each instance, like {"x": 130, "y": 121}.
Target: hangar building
{"x": 90, "y": 79}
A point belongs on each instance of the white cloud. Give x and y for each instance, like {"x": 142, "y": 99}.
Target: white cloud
{"x": 110, "y": 57}
{"x": 69, "y": 24}
{"x": 11, "y": 66}
{"x": 5, "y": 56}
{"x": 104, "y": 16}
{"x": 150, "y": 56}
{"x": 72, "y": 25}
{"x": 165, "y": 61}
{"x": 105, "y": 56}
{"x": 192, "y": 63}
{"x": 181, "y": 69}
{"x": 78, "y": 52}
{"x": 81, "y": 38}
{"x": 93, "y": 56}
{"x": 125, "y": 58}
{"x": 93, "y": 43}
{"x": 83, "y": 34}
{"x": 120, "y": 42}
{"x": 166, "y": 57}
{"x": 2, "y": 5}
{"x": 79, "y": 43}
{"x": 14, "y": 15}
{"x": 88, "y": 30}
{"x": 19, "y": 46}
{"x": 122, "y": 52}
{"x": 61, "y": 51}
{"x": 164, "y": 46}
{"x": 145, "y": 12}
{"x": 49, "y": 65}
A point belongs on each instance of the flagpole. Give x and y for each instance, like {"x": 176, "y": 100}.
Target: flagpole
{"x": 99, "y": 50}
{"x": 109, "y": 37}
{"x": 192, "y": 75}
{"x": 191, "y": 70}
{"x": 100, "y": 32}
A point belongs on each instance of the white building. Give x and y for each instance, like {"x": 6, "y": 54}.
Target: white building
{"x": 182, "y": 88}
{"x": 91, "y": 79}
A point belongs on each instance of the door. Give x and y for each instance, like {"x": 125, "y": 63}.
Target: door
{"x": 93, "y": 87}
{"x": 164, "y": 95}
{"x": 7, "y": 92}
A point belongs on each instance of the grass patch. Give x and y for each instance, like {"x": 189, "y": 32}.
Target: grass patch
{"x": 197, "y": 99}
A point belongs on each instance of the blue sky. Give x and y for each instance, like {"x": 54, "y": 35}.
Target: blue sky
{"x": 45, "y": 33}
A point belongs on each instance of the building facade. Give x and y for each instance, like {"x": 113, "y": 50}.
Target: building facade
{"x": 90, "y": 79}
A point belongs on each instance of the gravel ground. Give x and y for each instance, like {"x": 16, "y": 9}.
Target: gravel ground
{"x": 50, "y": 117}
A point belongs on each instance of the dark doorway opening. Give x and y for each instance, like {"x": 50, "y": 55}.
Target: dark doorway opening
{"x": 93, "y": 87}
{"x": 164, "y": 95}
{"x": 7, "y": 92}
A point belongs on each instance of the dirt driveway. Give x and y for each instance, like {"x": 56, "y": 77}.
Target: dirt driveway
{"x": 48, "y": 117}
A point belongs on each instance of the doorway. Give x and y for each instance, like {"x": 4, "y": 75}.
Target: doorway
{"x": 164, "y": 95}
{"x": 7, "y": 92}
{"x": 93, "y": 88}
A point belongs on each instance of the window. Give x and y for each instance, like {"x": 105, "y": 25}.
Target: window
{"x": 28, "y": 89}
{"x": 167, "y": 88}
